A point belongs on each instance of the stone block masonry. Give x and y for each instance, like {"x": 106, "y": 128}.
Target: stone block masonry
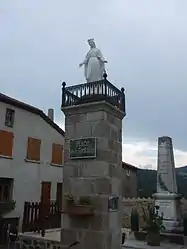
{"x": 34, "y": 242}
{"x": 98, "y": 178}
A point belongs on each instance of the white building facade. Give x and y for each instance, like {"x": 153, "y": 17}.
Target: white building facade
{"x": 31, "y": 155}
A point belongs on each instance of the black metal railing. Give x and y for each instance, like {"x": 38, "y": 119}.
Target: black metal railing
{"x": 92, "y": 92}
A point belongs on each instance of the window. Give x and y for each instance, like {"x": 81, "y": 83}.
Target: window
{"x": 6, "y": 192}
{"x": 33, "y": 149}
{"x": 6, "y": 143}
{"x": 6, "y": 185}
{"x": 57, "y": 154}
{"x": 9, "y": 117}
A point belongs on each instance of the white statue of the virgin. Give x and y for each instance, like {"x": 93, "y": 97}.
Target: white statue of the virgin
{"x": 94, "y": 63}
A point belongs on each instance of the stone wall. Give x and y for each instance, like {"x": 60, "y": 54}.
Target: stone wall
{"x": 140, "y": 204}
{"x": 31, "y": 242}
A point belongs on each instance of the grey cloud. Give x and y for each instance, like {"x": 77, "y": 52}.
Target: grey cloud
{"x": 42, "y": 42}
{"x": 148, "y": 153}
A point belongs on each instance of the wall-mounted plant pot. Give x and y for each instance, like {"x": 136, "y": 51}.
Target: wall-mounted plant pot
{"x": 79, "y": 210}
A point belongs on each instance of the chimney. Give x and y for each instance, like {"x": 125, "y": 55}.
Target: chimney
{"x": 51, "y": 114}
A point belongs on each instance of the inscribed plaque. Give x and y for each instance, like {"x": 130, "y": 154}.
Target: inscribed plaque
{"x": 83, "y": 148}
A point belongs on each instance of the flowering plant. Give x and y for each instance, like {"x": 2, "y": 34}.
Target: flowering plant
{"x": 154, "y": 220}
{"x": 84, "y": 200}
{"x": 69, "y": 199}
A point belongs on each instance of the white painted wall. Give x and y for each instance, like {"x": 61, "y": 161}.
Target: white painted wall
{"x": 28, "y": 176}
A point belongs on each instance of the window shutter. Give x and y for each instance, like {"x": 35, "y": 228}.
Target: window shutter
{"x": 33, "y": 149}
{"x": 57, "y": 154}
{"x": 6, "y": 143}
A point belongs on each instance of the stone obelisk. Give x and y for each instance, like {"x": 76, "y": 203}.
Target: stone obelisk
{"x": 167, "y": 197}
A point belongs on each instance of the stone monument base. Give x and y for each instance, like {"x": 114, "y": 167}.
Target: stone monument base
{"x": 169, "y": 205}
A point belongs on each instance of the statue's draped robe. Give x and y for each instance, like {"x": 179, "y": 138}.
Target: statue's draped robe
{"x": 94, "y": 66}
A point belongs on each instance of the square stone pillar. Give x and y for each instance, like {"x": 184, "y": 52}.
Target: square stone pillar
{"x": 98, "y": 178}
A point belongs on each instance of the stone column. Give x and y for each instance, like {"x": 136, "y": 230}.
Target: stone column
{"x": 98, "y": 178}
{"x": 167, "y": 197}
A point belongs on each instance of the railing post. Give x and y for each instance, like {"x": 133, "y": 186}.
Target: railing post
{"x": 63, "y": 94}
{"x": 105, "y": 83}
{"x": 122, "y": 100}
{"x": 25, "y": 217}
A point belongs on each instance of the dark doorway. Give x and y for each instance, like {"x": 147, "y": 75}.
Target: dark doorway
{"x": 59, "y": 194}
{"x": 46, "y": 192}
{"x": 4, "y": 222}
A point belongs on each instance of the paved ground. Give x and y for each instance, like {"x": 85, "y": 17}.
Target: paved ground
{"x": 51, "y": 234}
{"x": 54, "y": 234}
{"x": 135, "y": 244}
{"x": 130, "y": 243}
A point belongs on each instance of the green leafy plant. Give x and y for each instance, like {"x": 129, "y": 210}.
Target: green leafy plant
{"x": 69, "y": 200}
{"x": 154, "y": 221}
{"x": 84, "y": 200}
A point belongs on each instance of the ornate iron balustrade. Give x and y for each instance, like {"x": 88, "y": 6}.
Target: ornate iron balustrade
{"x": 92, "y": 92}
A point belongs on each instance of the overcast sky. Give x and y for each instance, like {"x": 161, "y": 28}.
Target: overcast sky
{"x": 145, "y": 42}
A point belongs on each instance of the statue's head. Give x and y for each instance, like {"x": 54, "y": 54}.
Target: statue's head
{"x": 91, "y": 42}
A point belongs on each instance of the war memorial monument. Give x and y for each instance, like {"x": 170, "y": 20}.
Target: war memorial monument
{"x": 167, "y": 197}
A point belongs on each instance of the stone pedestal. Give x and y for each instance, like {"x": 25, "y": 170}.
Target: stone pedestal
{"x": 170, "y": 206}
{"x": 167, "y": 197}
{"x": 95, "y": 174}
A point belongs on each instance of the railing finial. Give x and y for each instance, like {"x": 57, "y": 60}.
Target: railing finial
{"x": 63, "y": 84}
{"x": 105, "y": 75}
{"x": 63, "y": 93}
{"x": 122, "y": 100}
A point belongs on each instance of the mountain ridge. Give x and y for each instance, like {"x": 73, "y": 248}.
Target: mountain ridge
{"x": 147, "y": 181}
